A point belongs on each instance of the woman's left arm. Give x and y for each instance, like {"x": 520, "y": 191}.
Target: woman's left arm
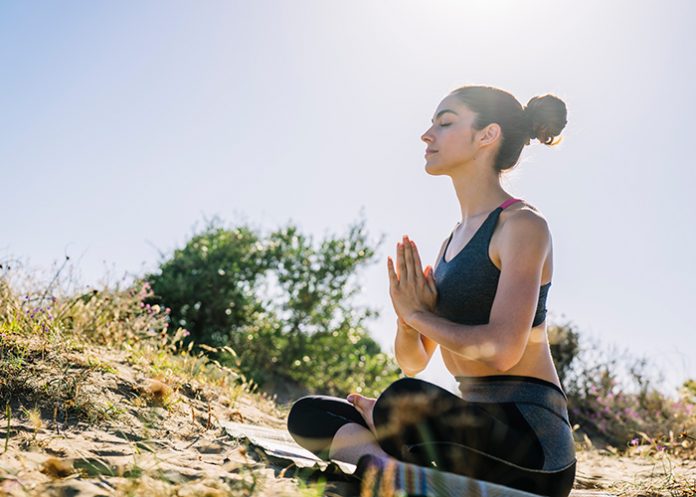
{"x": 525, "y": 241}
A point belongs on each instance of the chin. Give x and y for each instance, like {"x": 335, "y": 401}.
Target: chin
{"x": 435, "y": 170}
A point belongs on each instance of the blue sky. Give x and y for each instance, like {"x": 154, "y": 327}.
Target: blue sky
{"x": 123, "y": 124}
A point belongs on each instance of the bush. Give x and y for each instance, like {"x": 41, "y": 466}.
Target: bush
{"x": 210, "y": 285}
{"x": 564, "y": 341}
{"x": 613, "y": 398}
{"x": 281, "y": 302}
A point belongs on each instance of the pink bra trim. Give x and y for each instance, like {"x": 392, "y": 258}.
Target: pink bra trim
{"x": 509, "y": 201}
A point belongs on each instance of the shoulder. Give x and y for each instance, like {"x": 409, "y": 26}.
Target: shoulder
{"x": 524, "y": 223}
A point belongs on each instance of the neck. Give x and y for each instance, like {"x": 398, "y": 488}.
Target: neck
{"x": 478, "y": 191}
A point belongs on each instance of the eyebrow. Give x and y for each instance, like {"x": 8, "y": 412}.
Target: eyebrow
{"x": 442, "y": 112}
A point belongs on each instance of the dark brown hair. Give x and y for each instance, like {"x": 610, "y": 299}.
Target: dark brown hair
{"x": 543, "y": 118}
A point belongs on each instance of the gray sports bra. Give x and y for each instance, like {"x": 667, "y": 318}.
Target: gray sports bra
{"x": 467, "y": 284}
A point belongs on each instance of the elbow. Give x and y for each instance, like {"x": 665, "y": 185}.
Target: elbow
{"x": 505, "y": 362}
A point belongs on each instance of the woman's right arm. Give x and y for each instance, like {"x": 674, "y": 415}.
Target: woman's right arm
{"x": 412, "y": 350}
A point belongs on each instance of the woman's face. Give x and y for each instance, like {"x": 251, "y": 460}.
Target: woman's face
{"x": 450, "y": 139}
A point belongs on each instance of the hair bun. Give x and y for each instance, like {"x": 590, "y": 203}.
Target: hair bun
{"x": 546, "y": 116}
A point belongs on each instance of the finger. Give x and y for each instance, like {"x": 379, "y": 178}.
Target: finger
{"x": 398, "y": 262}
{"x": 393, "y": 278}
{"x": 417, "y": 266}
{"x": 431, "y": 279}
{"x": 401, "y": 262}
{"x": 408, "y": 255}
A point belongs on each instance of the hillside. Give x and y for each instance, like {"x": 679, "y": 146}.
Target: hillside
{"x": 97, "y": 402}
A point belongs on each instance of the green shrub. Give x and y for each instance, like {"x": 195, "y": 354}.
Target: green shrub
{"x": 564, "y": 341}
{"x": 210, "y": 285}
{"x": 282, "y": 302}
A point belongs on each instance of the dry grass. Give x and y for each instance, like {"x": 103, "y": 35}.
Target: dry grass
{"x": 94, "y": 386}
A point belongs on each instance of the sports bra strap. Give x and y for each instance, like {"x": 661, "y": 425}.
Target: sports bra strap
{"x": 509, "y": 201}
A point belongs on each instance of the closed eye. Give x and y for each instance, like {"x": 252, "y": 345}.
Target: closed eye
{"x": 443, "y": 125}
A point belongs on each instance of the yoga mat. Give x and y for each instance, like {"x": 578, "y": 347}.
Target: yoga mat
{"x": 280, "y": 445}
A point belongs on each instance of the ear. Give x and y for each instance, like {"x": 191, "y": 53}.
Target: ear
{"x": 489, "y": 134}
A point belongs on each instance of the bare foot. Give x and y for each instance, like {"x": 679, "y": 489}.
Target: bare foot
{"x": 364, "y": 405}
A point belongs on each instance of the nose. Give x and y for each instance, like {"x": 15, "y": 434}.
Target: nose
{"x": 426, "y": 136}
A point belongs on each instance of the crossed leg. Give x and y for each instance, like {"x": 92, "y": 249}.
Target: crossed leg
{"x": 352, "y": 441}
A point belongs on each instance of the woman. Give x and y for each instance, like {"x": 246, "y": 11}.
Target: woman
{"x": 484, "y": 305}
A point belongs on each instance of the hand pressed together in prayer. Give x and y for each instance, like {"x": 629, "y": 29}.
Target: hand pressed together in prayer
{"x": 411, "y": 289}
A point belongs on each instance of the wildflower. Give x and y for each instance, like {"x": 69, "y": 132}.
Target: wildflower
{"x": 634, "y": 442}
{"x": 186, "y": 333}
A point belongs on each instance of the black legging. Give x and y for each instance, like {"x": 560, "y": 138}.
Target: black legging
{"x": 421, "y": 423}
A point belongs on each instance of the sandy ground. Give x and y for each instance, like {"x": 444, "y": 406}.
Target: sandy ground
{"x": 147, "y": 449}
{"x": 603, "y": 470}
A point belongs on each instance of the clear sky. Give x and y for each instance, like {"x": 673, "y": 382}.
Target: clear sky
{"x": 123, "y": 124}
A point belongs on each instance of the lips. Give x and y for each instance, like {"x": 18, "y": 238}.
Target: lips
{"x": 430, "y": 151}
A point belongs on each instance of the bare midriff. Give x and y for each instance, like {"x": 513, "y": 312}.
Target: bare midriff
{"x": 536, "y": 360}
